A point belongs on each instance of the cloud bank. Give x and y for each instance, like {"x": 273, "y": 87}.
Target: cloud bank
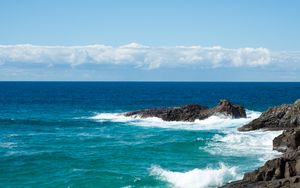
{"x": 137, "y": 55}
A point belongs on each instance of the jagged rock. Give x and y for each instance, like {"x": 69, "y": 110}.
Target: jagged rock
{"x": 293, "y": 182}
{"x": 288, "y": 140}
{"x": 280, "y": 172}
{"x": 225, "y": 107}
{"x": 283, "y": 171}
{"x": 191, "y": 112}
{"x": 282, "y": 117}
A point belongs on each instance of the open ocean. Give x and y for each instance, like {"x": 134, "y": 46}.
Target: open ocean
{"x": 72, "y": 134}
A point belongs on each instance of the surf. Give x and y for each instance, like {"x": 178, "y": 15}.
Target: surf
{"x": 214, "y": 122}
{"x": 201, "y": 178}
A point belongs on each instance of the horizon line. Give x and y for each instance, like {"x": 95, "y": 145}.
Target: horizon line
{"x": 150, "y": 81}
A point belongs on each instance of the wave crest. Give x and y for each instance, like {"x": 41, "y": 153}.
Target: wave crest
{"x": 207, "y": 177}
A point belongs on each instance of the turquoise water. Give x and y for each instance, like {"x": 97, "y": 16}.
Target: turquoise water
{"x": 73, "y": 134}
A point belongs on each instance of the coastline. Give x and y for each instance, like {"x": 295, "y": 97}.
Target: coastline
{"x": 283, "y": 171}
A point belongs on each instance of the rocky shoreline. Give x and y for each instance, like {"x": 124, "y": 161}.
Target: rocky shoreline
{"x": 283, "y": 171}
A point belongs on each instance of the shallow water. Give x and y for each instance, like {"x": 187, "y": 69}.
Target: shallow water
{"x": 73, "y": 134}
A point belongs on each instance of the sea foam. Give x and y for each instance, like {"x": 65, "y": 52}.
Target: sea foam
{"x": 235, "y": 143}
{"x": 211, "y": 123}
{"x": 207, "y": 177}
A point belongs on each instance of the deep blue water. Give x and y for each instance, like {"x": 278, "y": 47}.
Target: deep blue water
{"x": 71, "y": 134}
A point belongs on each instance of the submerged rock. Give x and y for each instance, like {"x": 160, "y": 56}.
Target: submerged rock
{"x": 282, "y": 117}
{"x": 192, "y": 112}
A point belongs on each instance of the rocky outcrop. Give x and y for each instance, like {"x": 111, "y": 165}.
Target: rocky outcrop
{"x": 289, "y": 140}
{"x": 280, "y": 172}
{"x": 282, "y": 117}
{"x": 285, "y": 170}
{"x": 191, "y": 112}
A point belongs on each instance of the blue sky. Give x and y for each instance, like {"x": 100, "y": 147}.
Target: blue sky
{"x": 212, "y": 40}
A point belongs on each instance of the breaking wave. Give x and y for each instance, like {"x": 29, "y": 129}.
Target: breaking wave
{"x": 207, "y": 177}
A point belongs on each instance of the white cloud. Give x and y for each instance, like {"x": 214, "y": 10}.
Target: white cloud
{"x": 136, "y": 55}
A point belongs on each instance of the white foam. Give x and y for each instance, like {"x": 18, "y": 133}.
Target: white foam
{"x": 199, "y": 178}
{"x": 213, "y": 122}
{"x": 235, "y": 143}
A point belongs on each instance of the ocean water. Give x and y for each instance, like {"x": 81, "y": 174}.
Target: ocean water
{"x": 73, "y": 134}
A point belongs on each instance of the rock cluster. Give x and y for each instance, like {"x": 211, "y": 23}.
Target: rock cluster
{"x": 280, "y": 172}
{"x": 283, "y": 171}
{"x": 277, "y": 118}
{"x": 192, "y": 112}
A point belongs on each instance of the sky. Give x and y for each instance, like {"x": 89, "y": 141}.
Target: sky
{"x": 143, "y": 40}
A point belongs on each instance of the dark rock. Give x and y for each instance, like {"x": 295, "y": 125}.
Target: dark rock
{"x": 280, "y": 172}
{"x": 288, "y": 140}
{"x": 285, "y": 170}
{"x": 225, "y": 107}
{"x": 282, "y": 117}
{"x": 293, "y": 182}
{"x": 191, "y": 112}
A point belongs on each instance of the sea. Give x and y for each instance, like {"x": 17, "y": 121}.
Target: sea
{"x": 74, "y": 134}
